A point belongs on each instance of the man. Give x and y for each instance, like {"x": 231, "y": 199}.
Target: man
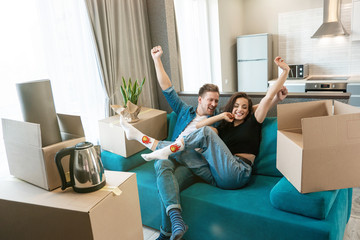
{"x": 168, "y": 171}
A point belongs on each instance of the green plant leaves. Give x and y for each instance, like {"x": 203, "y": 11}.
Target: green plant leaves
{"x": 131, "y": 91}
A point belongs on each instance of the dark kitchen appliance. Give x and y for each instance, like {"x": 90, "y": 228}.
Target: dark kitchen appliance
{"x": 86, "y": 168}
{"x": 297, "y": 71}
{"x": 330, "y": 84}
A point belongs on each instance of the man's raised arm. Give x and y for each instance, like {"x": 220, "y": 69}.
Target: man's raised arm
{"x": 161, "y": 75}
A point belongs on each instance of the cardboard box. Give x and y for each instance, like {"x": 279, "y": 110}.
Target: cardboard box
{"x": 318, "y": 145}
{"x": 112, "y": 212}
{"x": 31, "y": 162}
{"x": 153, "y": 122}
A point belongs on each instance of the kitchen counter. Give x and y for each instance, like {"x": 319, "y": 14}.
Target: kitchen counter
{"x": 352, "y": 79}
{"x": 332, "y": 86}
{"x": 313, "y": 95}
{"x": 191, "y": 98}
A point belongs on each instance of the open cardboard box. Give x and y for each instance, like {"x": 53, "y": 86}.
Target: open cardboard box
{"x": 31, "y": 162}
{"x": 152, "y": 122}
{"x": 29, "y": 212}
{"x": 318, "y": 145}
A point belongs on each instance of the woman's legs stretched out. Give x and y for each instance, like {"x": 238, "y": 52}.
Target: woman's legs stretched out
{"x": 228, "y": 171}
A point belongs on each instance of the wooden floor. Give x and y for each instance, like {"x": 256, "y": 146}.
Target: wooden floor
{"x": 352, "y": 231}
{"x": 150, "y": 233}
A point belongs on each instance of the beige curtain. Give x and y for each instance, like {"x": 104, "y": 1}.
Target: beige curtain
{"x": 122, "y": 37}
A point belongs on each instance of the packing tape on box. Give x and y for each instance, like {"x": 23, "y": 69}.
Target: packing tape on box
{"x": 116, "y": 122}
{"x": 115, "y": 190}
{"x": 148, "y": 110}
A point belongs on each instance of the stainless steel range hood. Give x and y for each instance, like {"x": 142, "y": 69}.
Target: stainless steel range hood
{"x": 332, "y": 25}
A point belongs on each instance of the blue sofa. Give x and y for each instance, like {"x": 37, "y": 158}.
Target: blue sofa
{"x": 269, "y": 207}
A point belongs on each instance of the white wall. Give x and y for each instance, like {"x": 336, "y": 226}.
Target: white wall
{"x": 240, "y": 17}
{"x": 231, "y": 19}
{"x": 325, "y": 56}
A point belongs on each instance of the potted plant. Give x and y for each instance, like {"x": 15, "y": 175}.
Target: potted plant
{"x": 130, "y": 93}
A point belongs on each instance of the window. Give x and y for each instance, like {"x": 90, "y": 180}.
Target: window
{"x": 198, "y": 32}
{"x": 51, "y": 40}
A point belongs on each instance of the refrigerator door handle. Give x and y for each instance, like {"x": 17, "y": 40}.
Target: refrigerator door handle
{"x": 252, "y": 60}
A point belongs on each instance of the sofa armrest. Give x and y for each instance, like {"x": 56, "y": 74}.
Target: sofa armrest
{"x": 171, "y": 121}
{"x": 115, "y": 162}
{"x": 265, "y": 162}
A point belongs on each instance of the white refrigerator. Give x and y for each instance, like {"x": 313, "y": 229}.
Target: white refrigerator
{"x": 254, "y": 62}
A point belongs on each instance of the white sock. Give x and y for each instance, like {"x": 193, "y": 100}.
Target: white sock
{"x": 164, "y": 153}
{"x": 133, "y": 134}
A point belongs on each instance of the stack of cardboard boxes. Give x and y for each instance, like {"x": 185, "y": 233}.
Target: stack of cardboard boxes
{"x": 40, "y": 210}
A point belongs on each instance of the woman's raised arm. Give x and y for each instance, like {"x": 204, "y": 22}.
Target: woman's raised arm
{"x": 266, "y": 103}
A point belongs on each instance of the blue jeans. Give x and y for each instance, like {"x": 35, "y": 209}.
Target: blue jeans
{"x": 196, "y": 162}
{"x": 171, "y": 177}
{"x": 229, "y": 171}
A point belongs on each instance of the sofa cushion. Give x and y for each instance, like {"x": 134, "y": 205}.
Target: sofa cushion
{"x": 115, "y": 162}
{"x": 265, "y": 162}
{"x": 284, "y": 196}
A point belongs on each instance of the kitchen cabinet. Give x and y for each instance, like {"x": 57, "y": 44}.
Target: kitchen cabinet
{"x": 355, "y": 23}
{"x": 293, "y": 86}
{"x": 354, "y": 89}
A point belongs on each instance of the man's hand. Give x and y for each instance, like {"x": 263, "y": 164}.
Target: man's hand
{"x": 156, "y": 52}
{"x": 282, "y": 93}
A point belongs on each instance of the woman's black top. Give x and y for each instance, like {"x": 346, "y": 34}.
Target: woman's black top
{"x": 244, "y": 138}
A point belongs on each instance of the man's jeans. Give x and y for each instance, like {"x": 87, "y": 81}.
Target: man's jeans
{"x": 171, "y": 177}
{"x": 228, "y": 171}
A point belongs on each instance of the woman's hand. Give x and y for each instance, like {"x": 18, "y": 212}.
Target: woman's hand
{"x": 156, "y": 52}
{"x": 280, "y": 62}
{"x": 282, "y": 94}
{"x": 229, "y": 117}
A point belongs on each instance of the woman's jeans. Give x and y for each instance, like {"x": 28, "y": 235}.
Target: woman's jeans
{"x": 228, "y": 171}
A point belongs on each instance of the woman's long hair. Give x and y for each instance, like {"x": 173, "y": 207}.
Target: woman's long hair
{"x": 230, "y": 106}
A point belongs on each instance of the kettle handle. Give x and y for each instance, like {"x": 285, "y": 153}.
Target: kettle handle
{"x": 60, "y": 155}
